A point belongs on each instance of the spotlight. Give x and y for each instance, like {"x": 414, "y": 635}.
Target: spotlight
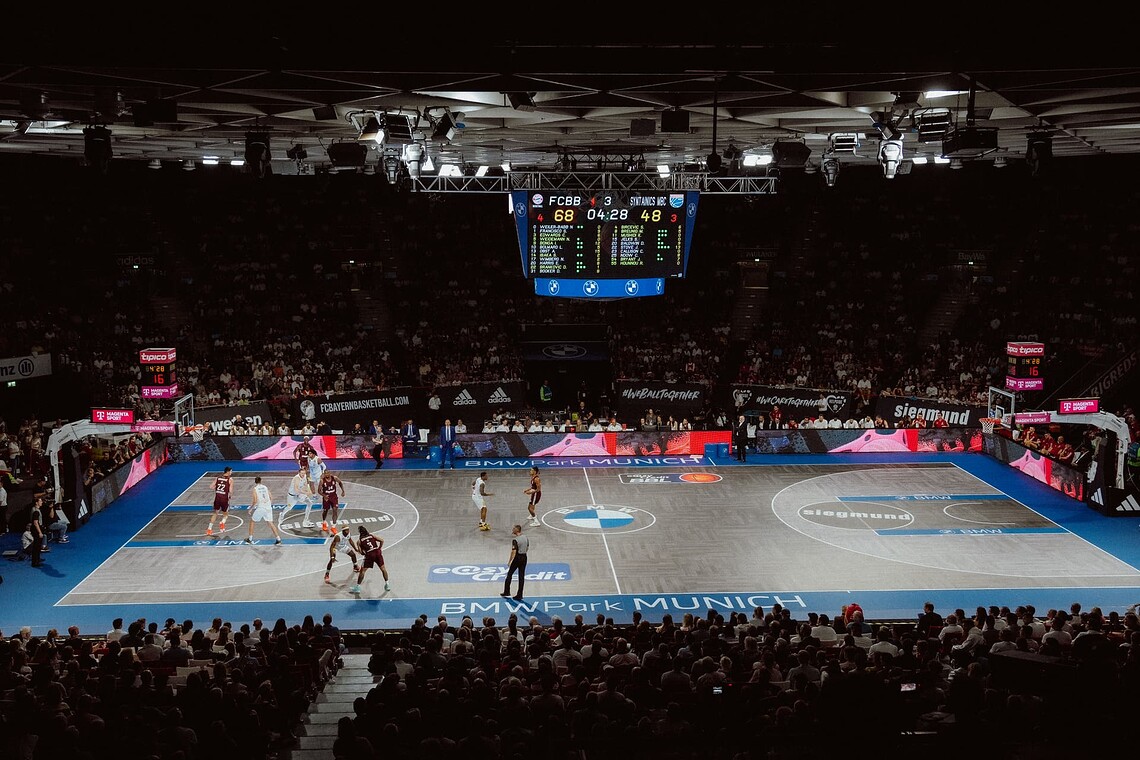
{"x": 446, "y": 127}
{"x": 790, "y": 154}
{"x": 372, "y": 131}
{"x": 830, "y": 169}
{"x": 188, "y": 165}
{"x": 413, "y": 158}
{"x": 843, "y": 142}
{"x": 297, "y": 153}
{"x": 521, "y": 101}
{"x": 154, "y": 163}
{"x": 257, "y": 155}
{"x": 932, "y": 124}
{"x": 1038, "y": 151}
{"x": 97, "y": 147}
{"x": 999, "y": 162}
{"x": 890, "y": 156}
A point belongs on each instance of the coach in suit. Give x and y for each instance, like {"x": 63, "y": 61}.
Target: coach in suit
{"x": 447, "y": 444}
{"x": 740, "y": 437}
{"x": 411, "y": 436}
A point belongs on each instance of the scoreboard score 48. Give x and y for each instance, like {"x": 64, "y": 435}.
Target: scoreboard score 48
{"x": 604, "y": 244}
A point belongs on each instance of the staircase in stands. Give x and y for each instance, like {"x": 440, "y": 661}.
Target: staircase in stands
{"x": 319, "y": 726}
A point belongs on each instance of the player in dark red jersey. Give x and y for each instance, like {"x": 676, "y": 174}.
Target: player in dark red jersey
{"x": 304, "y": 448}
{"x": 223, "y": 487}
{"x": 327, "y": 488}
{"x": 370, "y": 547}
{"x": 535, "y": 494}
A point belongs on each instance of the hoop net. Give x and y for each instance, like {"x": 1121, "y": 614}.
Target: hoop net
{"x": 988, "y": 423}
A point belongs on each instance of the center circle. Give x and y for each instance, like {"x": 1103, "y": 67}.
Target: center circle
{"x": 599, "y": 518}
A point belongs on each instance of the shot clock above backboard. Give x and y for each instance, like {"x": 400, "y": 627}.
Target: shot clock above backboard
{"x": 627, "y": 235}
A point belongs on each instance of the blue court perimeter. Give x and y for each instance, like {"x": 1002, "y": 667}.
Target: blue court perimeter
{"x": 31, "y": 596}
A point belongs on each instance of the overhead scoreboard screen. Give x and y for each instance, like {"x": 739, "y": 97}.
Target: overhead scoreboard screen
{"x": 606, "y": 244}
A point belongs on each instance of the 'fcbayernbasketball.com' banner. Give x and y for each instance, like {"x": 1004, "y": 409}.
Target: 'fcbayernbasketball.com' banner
{"x": 343, "y": 410}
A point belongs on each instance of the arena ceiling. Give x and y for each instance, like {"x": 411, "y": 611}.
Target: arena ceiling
{"x": 535, "y": 103}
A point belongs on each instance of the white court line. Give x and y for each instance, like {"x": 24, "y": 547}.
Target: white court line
{"x": 323, "y": 548}
{"x": 605, "y": 542}
{"x": 946, "y": 511}
{"x": 132, "y": 538}
{"x": 972, "y": 571}
{"x": 1043, "y": 517}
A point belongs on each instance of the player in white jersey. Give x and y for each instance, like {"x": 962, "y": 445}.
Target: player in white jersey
{"x": 479, "y": 495}
{"x": 300, "y": 491}
{"x": 341, "y": 543}
{"x": 261, "y": 510}
{"x": 316, "y": 467}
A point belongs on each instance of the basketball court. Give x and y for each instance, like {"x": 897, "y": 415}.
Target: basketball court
{"x": 617, "y": 535}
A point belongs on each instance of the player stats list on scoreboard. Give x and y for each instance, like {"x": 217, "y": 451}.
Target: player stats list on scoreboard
{"x": 611, "y": 249}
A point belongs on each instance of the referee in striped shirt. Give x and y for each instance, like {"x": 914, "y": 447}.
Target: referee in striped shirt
{"x": 520, "y": 545}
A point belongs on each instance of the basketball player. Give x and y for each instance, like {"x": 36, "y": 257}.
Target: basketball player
{"x": 300, "y": 489}
{"x": 479, "y": 495}
{"x": 535, "y": 494}
{"x": 304, "y": 448}
{"x": 341, "y": 542}
{"x": 327, "y": 488}
{"x": 370, "y": 546}
{"x": 261, "y": 510}
{"x": 223, "y": 487}
{"x": 315, "y": 465}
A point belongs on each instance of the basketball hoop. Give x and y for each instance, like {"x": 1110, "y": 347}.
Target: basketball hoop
{"x": 988, "y": 424}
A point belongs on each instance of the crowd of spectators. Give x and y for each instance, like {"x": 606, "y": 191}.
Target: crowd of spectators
{"x": 767, "y": 684}
{"x": 261, "y": 291}
{"x": 173, "y": 690}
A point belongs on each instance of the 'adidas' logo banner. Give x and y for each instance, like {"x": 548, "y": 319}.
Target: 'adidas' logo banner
{"x": 1128, "y": 505}
{"x": 473, "y": 402}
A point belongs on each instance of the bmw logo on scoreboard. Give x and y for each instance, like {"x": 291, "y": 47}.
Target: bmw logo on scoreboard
{"x": 595, "y": 289}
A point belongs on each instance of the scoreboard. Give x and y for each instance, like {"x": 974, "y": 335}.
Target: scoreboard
{"x": 603, "y": 244}
{"x": 158, "y": 373}
{"x": 1023, "y": 366}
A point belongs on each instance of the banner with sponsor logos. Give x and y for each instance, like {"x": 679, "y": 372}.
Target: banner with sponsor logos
{"x": 219, "y": 419}
{"x": 811, "y": 441}
{"x": 127, "y": 476}
{"x": 222, "y": 448}
{"x": 625, "y": 443}
{"x": 633, "y": 397}
{"x": 561, "y": 351}
{"x": 475, "y": 402}
{"x": 894, "y": 409}
{"x": 343, "y": 410}
{"x": 25, "y": 367}
{"x": 1068, "y": 480}
{"x": 795, "y": 403}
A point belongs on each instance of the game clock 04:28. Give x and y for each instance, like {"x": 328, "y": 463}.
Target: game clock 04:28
{"x": 606, "y": 235}
{"x": 1023, "y": 366}
{"x": 158, "y": 374}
